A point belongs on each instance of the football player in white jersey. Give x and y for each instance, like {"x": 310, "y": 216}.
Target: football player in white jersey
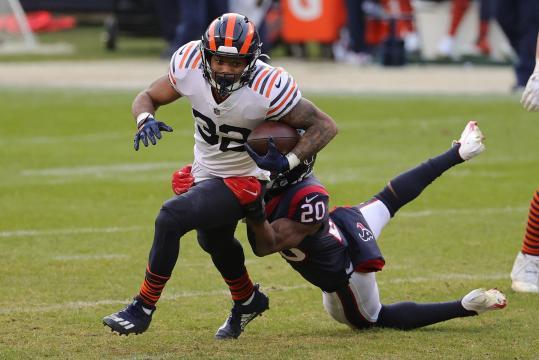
{"x": 231, "y": 92}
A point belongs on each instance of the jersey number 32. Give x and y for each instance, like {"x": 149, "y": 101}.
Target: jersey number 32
{"x": 210, "y": 135}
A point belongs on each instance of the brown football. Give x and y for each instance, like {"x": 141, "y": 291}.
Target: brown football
{"x": 284, "y": 136}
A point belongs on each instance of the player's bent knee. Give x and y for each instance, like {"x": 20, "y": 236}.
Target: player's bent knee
{"x": 219, "y": 246}
{"x": 167, "y": 223}
{"x": 335, "y": 308}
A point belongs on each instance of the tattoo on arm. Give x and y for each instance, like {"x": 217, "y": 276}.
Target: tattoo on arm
{"x": 319, "y": 127}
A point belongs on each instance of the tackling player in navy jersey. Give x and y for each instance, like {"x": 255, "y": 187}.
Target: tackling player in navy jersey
{"x": 337, "y": 251}
{"x": 231, "y": 91}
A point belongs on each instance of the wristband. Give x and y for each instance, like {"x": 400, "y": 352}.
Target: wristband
{"x": 293, "y": 160}
{"x": 142, "y": 117}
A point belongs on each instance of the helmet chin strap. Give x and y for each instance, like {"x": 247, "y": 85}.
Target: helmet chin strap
{"x": 225, "y": 83}
{"x": 222, "y": 90}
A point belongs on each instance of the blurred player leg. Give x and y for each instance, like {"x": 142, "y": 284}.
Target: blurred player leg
{"x": 446, "y": 47}
{"x": 525, "y": 273}
{"x": 519, "y": 20}
{"x": 486, "y": 13}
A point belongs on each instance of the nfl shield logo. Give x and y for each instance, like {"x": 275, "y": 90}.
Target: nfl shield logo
{"x": 216, "y": 111}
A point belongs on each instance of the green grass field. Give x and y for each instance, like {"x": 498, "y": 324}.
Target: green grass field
{"x": 78, "y": 206}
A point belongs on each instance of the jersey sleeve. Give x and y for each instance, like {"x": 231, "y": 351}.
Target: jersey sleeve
{"x": 310, "y": 205}
{"x": 186, "y": 58}
{"x": 283, "y": 93}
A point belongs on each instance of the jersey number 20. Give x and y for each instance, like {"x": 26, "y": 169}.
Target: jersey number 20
{"x": 311, "y": 212}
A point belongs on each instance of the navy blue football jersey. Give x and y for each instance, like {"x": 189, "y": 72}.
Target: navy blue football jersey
{"x": 343, "y": 243}
{"x": 305, "y": 202}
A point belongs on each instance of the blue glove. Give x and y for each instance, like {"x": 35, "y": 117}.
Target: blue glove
{"x": 149, "y": 129}
{"x": 273, "y": 161}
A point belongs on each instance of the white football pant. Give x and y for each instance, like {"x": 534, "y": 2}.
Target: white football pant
{"x": 362, "y": 285}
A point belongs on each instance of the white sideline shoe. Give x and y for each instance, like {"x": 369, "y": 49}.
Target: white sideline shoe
{"x": 471, "y": 141}
{"x": 446, "y": 48}
{"x": 525, "y": 273}
{"x": 481, "y": 300}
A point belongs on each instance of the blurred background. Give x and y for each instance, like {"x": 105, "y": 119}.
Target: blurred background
{"x": 361, "y": 34}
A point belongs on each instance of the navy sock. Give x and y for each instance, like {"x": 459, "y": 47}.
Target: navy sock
{"x": 409, "y": 315}
{"x": 408, "y": 185}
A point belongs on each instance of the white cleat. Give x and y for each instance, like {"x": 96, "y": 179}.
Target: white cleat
{"x": 525, "y": 273}
{"x": 471, "y": 141}
{"x": 446, "y": 48}
{"x": 481, "y": 300}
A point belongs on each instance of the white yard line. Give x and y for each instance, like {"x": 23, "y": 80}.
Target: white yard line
{"x": 442, "y": 277}
{"x": 90, "y": 257}
{"x": 99, "y": 169}
{"x": 184, "y": 131}
{"x": 474, "y": 211}
{"x": 53, "y": 232}
{"x": 78, "y": 305}
{"x": 119, "y": 229}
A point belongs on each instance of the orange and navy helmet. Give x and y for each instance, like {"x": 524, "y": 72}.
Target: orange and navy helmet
{"x": 231, "y": 35}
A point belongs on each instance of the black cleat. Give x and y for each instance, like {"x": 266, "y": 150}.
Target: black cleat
{"x": 241, "y": 315}
{"x": 131, "y": 320}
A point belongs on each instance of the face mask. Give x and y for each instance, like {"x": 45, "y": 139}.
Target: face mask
{"x": 225, "y": 82}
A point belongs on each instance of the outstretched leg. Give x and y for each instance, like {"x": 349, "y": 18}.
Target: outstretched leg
{"x": 408, "y": 185}
{"x": 358, "y": 305}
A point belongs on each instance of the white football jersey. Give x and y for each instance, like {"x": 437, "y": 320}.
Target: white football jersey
{"x": 222, "y": 129}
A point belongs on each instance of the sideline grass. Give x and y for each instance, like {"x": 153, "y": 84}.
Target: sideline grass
{"x": 87, "y": 43}
{"x": 78, "y": 206}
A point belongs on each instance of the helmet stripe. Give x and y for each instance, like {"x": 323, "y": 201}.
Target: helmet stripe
{"x": 211, "y": 35}
{"x": 231, "y": 23}
{"x": 248, "y": 39}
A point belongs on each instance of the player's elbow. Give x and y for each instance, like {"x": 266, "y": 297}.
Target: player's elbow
{"x": 333, "y": 130}
{"x": 330, "y": 126}
{"x": 262, "y": 252}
